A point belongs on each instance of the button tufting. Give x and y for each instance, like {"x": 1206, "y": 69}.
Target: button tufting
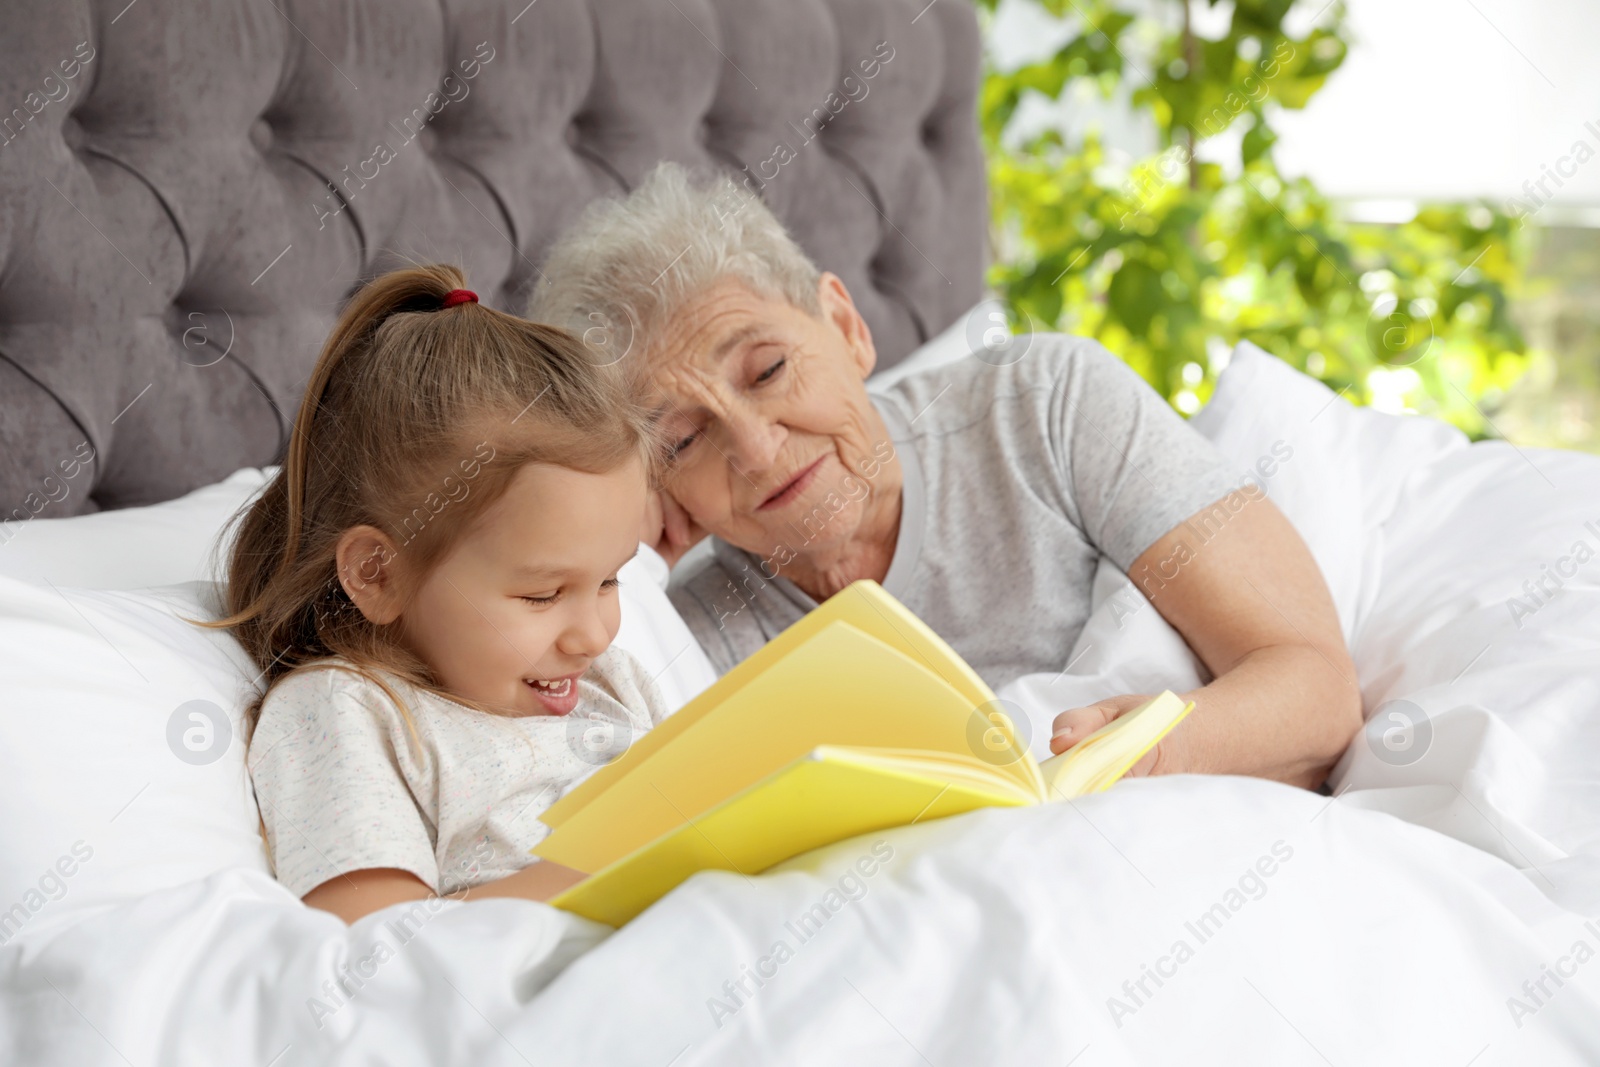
{"x": 72, "y": 133}
{"x": 600, "y": 75}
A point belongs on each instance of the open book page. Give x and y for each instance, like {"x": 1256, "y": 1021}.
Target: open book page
{"x": 1096, "y": 762}
{"x": 828, "y": 795}
{"x": 840, "y": 687}
{"x": 864, "y": 605}
{"x": 832, "y": 793}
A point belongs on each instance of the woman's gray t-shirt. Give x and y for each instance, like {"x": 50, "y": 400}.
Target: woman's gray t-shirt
{"x": 1017, "y": 479}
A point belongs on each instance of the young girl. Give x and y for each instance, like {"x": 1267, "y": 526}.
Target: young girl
{"x": 429, "y": 585}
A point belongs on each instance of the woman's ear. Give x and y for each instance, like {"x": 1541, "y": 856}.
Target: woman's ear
{"x": 367, "y": 568}
{"x": 839, "y": 311}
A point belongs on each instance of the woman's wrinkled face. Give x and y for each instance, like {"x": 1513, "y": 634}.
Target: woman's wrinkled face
{"x": 774, "y": 444}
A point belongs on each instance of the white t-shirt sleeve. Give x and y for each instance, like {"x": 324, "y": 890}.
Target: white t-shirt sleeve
{"x": 327, "y": 775}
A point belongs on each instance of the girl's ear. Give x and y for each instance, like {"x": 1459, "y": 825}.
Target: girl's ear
{"x": 365, "y": 558}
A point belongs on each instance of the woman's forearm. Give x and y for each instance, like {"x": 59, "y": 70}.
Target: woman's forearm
{"x": 1285, "y": 712}
{"x": 1240, "y": 585}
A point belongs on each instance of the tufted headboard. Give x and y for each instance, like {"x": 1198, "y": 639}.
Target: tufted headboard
{"x": 190, "y": 190}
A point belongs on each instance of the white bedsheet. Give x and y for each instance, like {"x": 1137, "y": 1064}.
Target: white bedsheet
{"x": 1444, "y": 909}
{"x": 998, "y": 937}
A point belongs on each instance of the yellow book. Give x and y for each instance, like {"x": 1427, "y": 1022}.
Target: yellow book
{"x": 855, "y": 719}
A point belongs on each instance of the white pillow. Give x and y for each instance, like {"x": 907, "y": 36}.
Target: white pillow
{"x": 656, "y": 634}
{"x": 121, "y": 733}
{"x": 1334, "y": 469}
{"x": 982, "y": 325}
{"x": 130, "y": 548}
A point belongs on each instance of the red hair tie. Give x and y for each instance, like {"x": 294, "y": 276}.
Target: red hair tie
{"x": 459, "y": 296}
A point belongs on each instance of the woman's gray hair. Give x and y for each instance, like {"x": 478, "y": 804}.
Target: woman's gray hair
{"x": 628, "y": 265}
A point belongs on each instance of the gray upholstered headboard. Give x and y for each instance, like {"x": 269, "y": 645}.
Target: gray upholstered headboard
{"x": 172, "y": 254}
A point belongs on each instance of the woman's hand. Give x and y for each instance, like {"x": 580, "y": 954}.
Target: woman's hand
{"x": 1168, "y": 757}
{"x": 668, "y": 528}
{"x": 1241, "y": 587}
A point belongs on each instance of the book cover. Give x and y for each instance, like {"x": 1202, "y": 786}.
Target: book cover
{"x": 857, "y": 718}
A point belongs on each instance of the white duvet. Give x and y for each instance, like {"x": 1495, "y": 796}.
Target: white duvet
{"x": 1444, "y": 908}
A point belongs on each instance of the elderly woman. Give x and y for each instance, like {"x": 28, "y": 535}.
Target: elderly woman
{"x": 980, "y": 496}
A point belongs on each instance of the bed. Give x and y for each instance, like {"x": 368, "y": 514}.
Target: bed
{"x": 173, "y": 255}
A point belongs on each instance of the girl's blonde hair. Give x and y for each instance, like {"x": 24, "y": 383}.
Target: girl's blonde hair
{"x": 414, "y": 421}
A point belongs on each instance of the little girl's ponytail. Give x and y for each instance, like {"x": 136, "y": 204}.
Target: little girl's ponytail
{"x": 417, "y": 289}
{"x": 417, "y": 384}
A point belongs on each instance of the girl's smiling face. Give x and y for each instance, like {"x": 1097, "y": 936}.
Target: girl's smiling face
{"x": 526, "y": 599}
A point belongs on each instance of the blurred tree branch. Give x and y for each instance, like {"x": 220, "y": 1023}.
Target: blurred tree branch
{"x": 1173, "y": 259}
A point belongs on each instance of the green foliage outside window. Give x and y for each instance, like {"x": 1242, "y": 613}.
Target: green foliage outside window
{"x": 1155, "y": 260}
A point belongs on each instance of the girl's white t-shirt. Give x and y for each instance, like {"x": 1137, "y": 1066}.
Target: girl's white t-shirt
{"x": 344, "y": 785}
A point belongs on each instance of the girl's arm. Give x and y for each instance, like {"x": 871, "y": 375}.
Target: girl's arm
{"x": 360, "y": 893}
